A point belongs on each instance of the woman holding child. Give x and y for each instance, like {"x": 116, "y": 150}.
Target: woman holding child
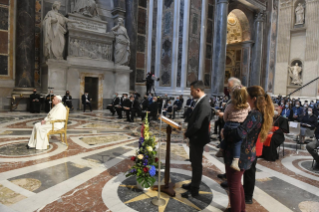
{"x": 240, "y": 135}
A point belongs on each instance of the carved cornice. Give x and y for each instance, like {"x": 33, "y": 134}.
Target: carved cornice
{"x": 285, "y": 3}
{"x": 222, "y": 1}
{"x": 260, "y": 17}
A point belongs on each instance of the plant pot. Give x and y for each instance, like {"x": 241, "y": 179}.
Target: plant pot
{"x": 140, "y": 187}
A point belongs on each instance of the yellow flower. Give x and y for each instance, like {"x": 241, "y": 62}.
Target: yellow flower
{"x": 140, "y": 157}
{"x": 149, "y": 148}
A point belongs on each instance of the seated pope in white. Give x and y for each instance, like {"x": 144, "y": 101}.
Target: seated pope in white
{"x": 39, "y": 139}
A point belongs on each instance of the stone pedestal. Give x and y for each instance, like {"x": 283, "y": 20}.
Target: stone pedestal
{"x": 245, "y": 64}
{"x": 219, "y": 47}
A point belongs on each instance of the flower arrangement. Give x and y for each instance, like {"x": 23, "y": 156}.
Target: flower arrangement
{"x": 145, "y": 159}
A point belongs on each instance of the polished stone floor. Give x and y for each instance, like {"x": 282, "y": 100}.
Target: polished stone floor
{"x": 89, "y": 174}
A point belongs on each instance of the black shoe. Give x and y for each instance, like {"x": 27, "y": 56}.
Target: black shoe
{"x": 186, "y": 186}
{"x": 224, "y": 184}
{"x": 218, "y": 146}
{"x": 113, "y": 114}
{"x": 248, "y": 201}
{"x": 188, "y": 193}
{"x": 222, "y": 176}
{"x": 27, "y": 146}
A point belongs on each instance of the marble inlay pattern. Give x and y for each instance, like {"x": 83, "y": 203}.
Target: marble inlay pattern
{"x": 9, "y": 197}
{"x": 20, "y": 149}
{"x": 28, "y": 183}
{"x": 102, "y": 139}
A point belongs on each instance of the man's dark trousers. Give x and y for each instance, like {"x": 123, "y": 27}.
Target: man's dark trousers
{"x": 196, "y": 157}
{"x": 84, "y": 106}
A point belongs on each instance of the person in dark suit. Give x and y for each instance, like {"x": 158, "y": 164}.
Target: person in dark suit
{"x": 67, "y": 100}
{"x": 135, "y": 108}
{"x": 153, "y": 109}
{"x": 86, "y": 100}
{"x": 127, "y": 105}
{"x": 48, "y": 102}
{"x": 198, "y": 134}
{"x": 35, "y": 102}
{"x": 188, "y": 110}
{"x": 145, "y": 106}
{"x": 119, "y": 107}
{"x": 115, "y": 101}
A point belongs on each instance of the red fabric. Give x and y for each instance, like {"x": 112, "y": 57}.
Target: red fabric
{"x": 236, "y": 190}
{"x": 259, "y": 147}
{"x": 268, "y": 139}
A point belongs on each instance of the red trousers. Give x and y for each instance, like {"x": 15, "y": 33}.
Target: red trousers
{"x": 236, "y": 190}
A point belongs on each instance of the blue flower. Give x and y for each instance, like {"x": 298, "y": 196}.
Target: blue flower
{"x": 152, "y": 171}
{"x": 133, "y": 170}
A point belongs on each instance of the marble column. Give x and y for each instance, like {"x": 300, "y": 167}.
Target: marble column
{"x": 131, "y": 26}
{"x": 25, "y": 44}
{"x": 175, "y": 43}
{"x": 219, "y": 47}
{"x": 203, "y": 34}
{"x": 256, "y": 66}
{"x": 245, "y": 62}
{"x": 185, "y": 43}
{"x": 158, "y": 44}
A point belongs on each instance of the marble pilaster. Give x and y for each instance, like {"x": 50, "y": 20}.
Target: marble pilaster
{"x": 219, "y": 47}
{"x": 119, "y": 9}
{"x": 245, "y": 64}
{"x": 185, "y": 43}
{"x": 131, "y": 27}
{"x": 175, "y": 44}
{"x": 255, "y": 73}
{"x": 203, "y": 34}
{"x": 149, "y": 35}
{"x": 158, "y": 44}
{"x": 25, "y": 41}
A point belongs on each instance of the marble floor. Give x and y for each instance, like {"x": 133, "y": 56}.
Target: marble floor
{"x": 89, "y": 174}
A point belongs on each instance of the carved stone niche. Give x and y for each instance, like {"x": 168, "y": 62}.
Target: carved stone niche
{"x": 295, "y": 71}
{"x": 299, "y": 12}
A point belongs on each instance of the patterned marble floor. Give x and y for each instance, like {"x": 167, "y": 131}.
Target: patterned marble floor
{"x": 89, "y": 175}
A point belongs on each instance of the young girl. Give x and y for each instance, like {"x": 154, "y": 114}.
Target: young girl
{"x": 234, "y": 114}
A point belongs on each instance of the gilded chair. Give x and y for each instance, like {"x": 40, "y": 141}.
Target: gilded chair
{"x": 61, "y": 131}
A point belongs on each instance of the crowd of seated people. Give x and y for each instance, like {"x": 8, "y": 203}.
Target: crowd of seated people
{"x": 307, "y": 114}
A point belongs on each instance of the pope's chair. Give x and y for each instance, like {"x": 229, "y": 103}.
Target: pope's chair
{"x": 61, "y": 131}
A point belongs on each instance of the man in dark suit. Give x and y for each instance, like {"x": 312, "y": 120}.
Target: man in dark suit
{"x": 48, "y": 102}
{"x": 153, "y": 109}
{"x": 35, "y": 102}
{"x": 86, "y": 100}
{"x": 198, "y": 134}
{"x": 189, "y": 109}
{"x": 115, "y": 101}
{"x": 127, "y": 104}
{"x": 67, "y": 100}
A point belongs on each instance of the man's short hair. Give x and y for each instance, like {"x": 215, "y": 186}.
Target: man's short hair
{"x": 198, "y": 84}
{"x": 236, "y": 81}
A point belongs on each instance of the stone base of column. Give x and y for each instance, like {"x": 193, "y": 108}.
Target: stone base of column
{"x": 20, "y": 98}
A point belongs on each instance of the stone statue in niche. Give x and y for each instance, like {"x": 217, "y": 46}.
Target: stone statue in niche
{"x": 86, "y": 7}
{"x": 54, "y": 29}
{"x": 300, "y": 14}
{"x": 295, "y": 74}
{"x": 122, "y": 44}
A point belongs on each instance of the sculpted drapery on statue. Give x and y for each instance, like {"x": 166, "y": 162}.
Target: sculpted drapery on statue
{"x": 122, "y": 44}
{"x": 54, "y": 28}
{"x": 294, "y": 73}
{"x": 300, "y": 14}
{"x": 86, "y": 8}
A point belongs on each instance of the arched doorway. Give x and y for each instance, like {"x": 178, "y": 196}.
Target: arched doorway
{"x": 238, "y": 46}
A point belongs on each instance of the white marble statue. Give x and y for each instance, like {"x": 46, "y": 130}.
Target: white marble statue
{"x": 300, "y": 14}
{"x": 54, "y": 29}
{"x": 86, "y": 7}
{"x": 294, "y": 73}
{"x": 39, "y": 138}
{"x": 122, "y": 50}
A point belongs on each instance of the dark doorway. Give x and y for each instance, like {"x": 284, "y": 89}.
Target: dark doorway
{"x": 92, "y": 87}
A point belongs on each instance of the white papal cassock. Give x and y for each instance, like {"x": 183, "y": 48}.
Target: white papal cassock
{"x": 39, "y": 138}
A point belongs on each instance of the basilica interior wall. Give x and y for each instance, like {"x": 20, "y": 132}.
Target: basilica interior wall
{"x": 297, "y": 50}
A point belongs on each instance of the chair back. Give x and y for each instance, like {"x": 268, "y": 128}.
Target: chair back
{"x": 66, "y": 118}
{"x": 294, "y": 128}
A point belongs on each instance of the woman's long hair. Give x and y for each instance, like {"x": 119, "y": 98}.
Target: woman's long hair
{"x": 264, "y": 105}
